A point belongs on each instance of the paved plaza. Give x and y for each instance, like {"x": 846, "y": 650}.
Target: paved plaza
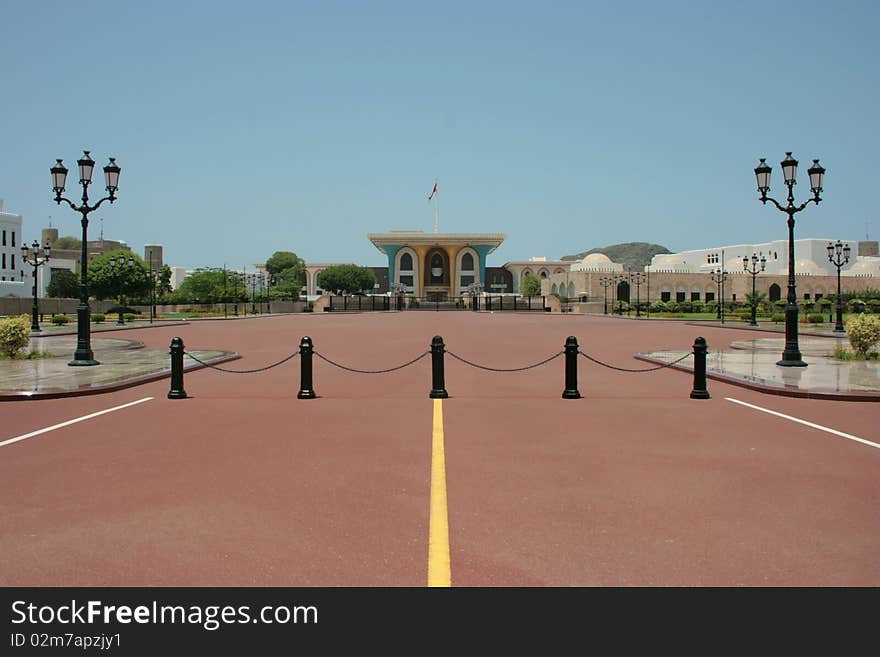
{"x": 749, "y": 362}
{"x": 503, "y": 483}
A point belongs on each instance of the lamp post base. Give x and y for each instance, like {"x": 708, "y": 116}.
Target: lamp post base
{"x": 789, "y": 360}
{"x": 83, "y": 362}
{"x": 839, "y": 329}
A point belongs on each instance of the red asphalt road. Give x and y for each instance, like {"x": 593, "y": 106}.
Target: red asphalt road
{"x": 243, "y": 484}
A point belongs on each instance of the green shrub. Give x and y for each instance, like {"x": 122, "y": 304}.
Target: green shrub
{"x": 128, "y": 317}
{"x": 97, "y": 318}
{"x": 780, "y": 303}
{"x": 777, "y": 317}
{"x": 863, "y": 332}
{"x": 815, "y": 318}
{"x": 856, "y": 305}
{"x": 15, "y": 332}
{"x": 874, "y": 305}
{"x": 842, "y": 353}
{"x": 60, "y": 320}
{"x": 697, "y": 306}
{"x": 825, "y": 303}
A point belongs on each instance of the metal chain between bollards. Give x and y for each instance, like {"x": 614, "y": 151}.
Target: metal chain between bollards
{"x": 625, "y": 369}
{"x": 357, "y": 371}
{"x": 501, "y": 369}
{"x": 259, "y": 369}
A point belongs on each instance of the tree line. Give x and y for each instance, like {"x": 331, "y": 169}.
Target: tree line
{"x": 123, "y": 276}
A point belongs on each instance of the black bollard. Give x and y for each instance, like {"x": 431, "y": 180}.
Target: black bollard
{"x": 700, "y": 349}
{"x": 571, "y": 369}
{"x": 438, "y": 378}
{"x": 305, "y": 369}
{"x": 176, "y": 391}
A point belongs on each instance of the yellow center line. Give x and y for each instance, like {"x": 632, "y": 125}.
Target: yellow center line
{"x": 439, "y": 572}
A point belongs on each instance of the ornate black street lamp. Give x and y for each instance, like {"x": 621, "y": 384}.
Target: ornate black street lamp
{"x": 268, "y": 293}
{"x": 718, "y": 277}
{"x": 252, "y": 278}
{"x": 618, "y": 279}
{"x": 152, "y": 278}
{"x": 120, "y": 262}
{"x": 838, "y": 255}
{"x": 36, "y": 256}
{"x": 638, "y": 278}
{"x": 606, "y": 282}
{"x": 262, "y": 277}
{"x": 754, "y": 270}
{"x": 84, "y": 354}
{"x": 235, "y": 277}
{"x": 791, "y": 356}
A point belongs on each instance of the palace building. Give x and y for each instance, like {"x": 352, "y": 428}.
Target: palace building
{"x": 437, "y": 266}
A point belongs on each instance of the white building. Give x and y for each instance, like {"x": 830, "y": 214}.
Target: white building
{"x": 811, "y": 258}
{"x": 15, "y": 275}
{"x": 536, "y": 266}
{"x": 177, "y": 276}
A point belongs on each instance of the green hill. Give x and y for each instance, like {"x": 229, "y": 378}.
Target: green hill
{"x": 633, "y": 255}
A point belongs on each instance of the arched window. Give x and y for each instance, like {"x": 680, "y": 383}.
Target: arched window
{"x": 543, "y": 274}
{"x": 467, "y": 274}
{"x": 407, "y": 273}
{"x": 775, "y": 292}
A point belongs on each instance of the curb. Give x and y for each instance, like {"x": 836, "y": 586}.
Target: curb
{"x": 58, "y": 393}
{"x": 772, "y": 390}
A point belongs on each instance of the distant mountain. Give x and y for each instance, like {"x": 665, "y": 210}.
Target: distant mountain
{"x": 633, "y": 255}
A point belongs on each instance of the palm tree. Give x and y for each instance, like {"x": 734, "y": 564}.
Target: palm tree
{"x": 756, "y": 300}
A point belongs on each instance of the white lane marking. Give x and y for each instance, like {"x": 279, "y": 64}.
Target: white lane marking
{"x": 69, "y": 422}
{"x": 809, "y": 424}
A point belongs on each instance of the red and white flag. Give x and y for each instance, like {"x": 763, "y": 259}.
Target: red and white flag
{"x": 433, "y": 191}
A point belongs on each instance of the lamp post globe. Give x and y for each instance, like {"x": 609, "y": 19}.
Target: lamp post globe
{"x": 791, "y": 356}
{"x": 84, "y": 356}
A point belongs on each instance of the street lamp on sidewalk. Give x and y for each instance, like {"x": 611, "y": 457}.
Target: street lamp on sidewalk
{"x": 84, "y": 354}
{"x": 638, "y": 278}
{"x": 152, "y": 278}
{"x": 753, "y": 270}
{"x": 268, "y": 293}
{"x": 606, "y": 282}
{"x": 718, "y": 277}
{"x": 838, "y": 255}
{"x": 36, "y": 256}
{"x": 120, "y": 262}
{"x": 236, "y": 276}
{"x": 791, "y": 356}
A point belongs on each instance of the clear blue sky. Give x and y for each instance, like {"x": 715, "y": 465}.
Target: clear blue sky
{"x": 246, "y": 128}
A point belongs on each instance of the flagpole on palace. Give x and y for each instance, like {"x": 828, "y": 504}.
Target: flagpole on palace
{"x": 436, "y": 208}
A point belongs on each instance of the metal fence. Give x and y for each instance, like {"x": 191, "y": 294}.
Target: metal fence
{"x": 493, "y": 303}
